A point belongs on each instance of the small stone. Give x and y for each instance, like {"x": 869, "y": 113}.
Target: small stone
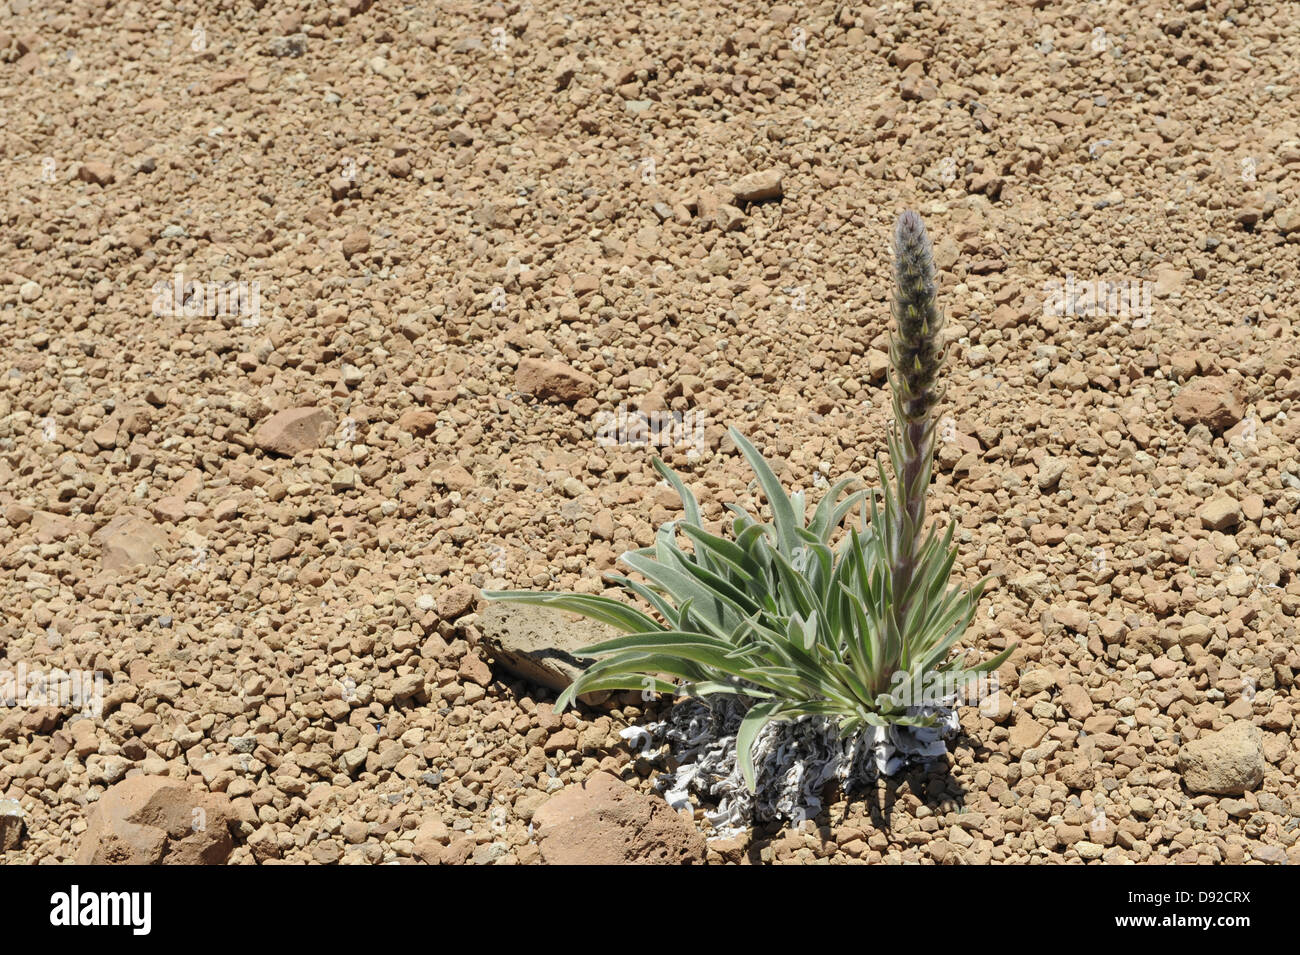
{"x": 1074, "y": 700}
{"x": 1031, "y": 586}
{"x": 1170, "y": 279}
{"x": 473, "y": 670}
{"x": 758, "y": 186}
{"x": 878, "y": 364}
{"x": 457, "y": 601}
{"x": 1215, "y": 402}
{"x": 1036, "y": 681}
{"x": 128, "y": 540}
{"x": 18, "y": 514}
{"x": 1287, "y": 219}
{"x": 1227, "y": 763}
{"x": 356, "y": 242}
{"x": 1072, "y": 618}
{"x": 418, "y": 421}
{"x": 729, "y": 218}
{"x": 1220, "y": 513}
{"x": 552, "y": 380}
{"x": 1078, "y": 776}
{"x": 1050, "y": 471}
{"x": 997, "y": 706}
{"x": 565, "y": 71}
{"x": 1026, "y": 733}
{"x": 99, "y": 173}
{"x": 294, "y": 431}
{"x": 602, "y": 526}
{"x": 1089, "y": 850}
{"x": 410, "y": 685}
{"x": 905, "y": 54}
{"x": 495, "y": 215}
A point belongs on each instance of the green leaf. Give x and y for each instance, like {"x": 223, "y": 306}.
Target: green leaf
{"x": 689, "y": 504}
{"x": 633, "y": 682}
{"x": 827, "y": 515}
{"x": 725, "y": 555}
{"x": 709, "y": 604}
{"x": 665, "y": 609}
{"x": 604, "y": 609}
{"x": 992, "y": 664}
{"x": 783, "y": 514}
{"x": 661, "y": 638}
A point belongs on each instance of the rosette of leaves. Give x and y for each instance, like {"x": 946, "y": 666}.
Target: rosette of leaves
{"x": 779, "y": 611}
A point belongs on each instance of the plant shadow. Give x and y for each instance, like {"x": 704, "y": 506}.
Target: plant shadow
{"x": 933, "y": 784}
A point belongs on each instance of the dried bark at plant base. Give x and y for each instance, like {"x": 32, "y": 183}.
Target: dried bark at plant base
{"x": 794, "y": 760}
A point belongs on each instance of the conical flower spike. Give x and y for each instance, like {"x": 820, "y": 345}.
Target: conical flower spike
{"x": 917, "y": 356}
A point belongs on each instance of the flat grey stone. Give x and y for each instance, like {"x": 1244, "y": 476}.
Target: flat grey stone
{"x": 539, "y": 644}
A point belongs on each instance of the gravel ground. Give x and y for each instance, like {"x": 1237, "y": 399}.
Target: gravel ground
{"x": 312, "y": 313}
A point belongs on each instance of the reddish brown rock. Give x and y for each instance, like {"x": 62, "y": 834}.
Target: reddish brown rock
{"x": 1219, "y": 513}
{"x": 552, "y": 380}
{"x": 430, "y": 841}
{"x": 129, "y": 540}
{"x": 99, "y": 173}
{"x": 1215, "y": 402}
{"x": 1075, "y": 701}
{"x": 418, "y": 421}
{"x": 293, "y": 431}
{"x": 1026, "y": 733}
{"x": 603, "y": 821}
{"x": 457, "y": 601}
{"x": 170, "y": 509}
{"x": 453, "y": 478}
{"x": 356, "y": 242}
{"x": 152, "y": 820}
